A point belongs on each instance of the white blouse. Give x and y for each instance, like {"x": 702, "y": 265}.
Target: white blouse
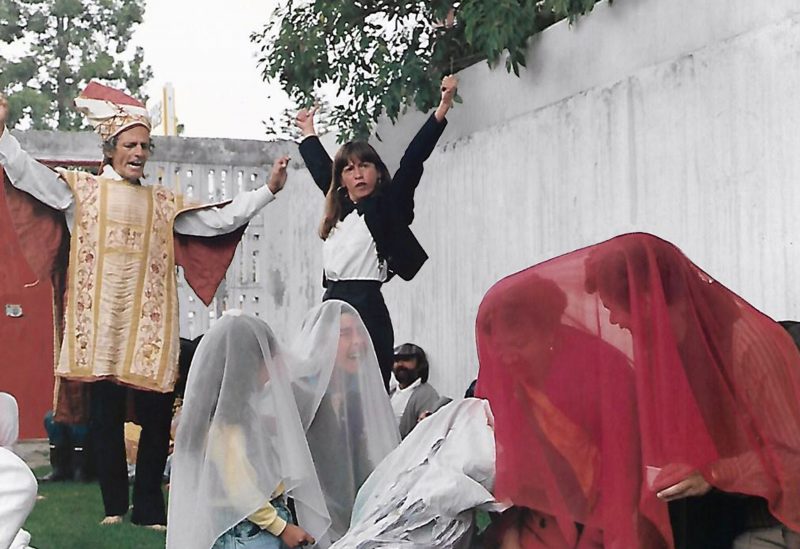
{"x": 350, "y": 253}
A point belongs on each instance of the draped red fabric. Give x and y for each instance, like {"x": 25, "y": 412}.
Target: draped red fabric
{"x": 205, "y": 260}
{"x": 617, "y": 370}
{"x": 26, "y": 270}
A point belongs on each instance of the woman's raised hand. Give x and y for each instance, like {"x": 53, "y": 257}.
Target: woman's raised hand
{"x": 305, "y": 120}
{"x": 449, "y": 88}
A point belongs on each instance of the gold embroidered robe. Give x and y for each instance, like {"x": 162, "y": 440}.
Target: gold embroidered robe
{"x": 121, "y": 313}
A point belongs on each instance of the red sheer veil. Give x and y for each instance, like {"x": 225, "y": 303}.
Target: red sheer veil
{"x": 615, "y": 371}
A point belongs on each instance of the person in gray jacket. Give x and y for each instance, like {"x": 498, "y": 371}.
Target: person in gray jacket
{"x": 414, "y": 397}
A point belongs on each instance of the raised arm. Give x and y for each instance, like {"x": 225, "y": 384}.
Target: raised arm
{"x": 28, "y": 175}
{"x": 219, "y": 220}
{"x": 409, "y": 173}
{"x": 314, "y": 154}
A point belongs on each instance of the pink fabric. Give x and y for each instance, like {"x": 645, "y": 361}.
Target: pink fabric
{"x": 615, "y": 371}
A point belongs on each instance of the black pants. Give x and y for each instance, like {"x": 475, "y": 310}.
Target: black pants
{"x": 711, "y": 521}
{"x": 366, "y": 298}
{"x": 154, "y": 414}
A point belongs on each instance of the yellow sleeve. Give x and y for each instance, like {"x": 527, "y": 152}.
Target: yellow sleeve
{"x": 239, "y": 475}
{"x": 267, "y": 518}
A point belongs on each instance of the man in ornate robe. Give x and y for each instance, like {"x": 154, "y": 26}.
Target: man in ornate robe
{"x": 120, "y": 323}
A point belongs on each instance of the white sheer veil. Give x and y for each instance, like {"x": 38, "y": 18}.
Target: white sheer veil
{"x": 344, "y": 407}
{"x": 239, "y": 437}
{"x": 9, "y": 420}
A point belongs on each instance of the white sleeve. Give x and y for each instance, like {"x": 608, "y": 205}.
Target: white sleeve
{"x": 218, "y": 220}
{"x": 28, "y": 175}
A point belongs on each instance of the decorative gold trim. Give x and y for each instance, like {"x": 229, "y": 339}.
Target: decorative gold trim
{"x": 133, "y": 341}
{"x": 100, "y": 229}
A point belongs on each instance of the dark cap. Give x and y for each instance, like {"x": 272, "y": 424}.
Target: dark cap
{"x": 408, "y": 350}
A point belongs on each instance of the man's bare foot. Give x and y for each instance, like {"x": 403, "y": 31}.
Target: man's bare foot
{"x": 113, "y": 519}
{"x": 155, "y": 527}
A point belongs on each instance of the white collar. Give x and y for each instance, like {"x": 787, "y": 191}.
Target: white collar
{"x": 110, "y": 173}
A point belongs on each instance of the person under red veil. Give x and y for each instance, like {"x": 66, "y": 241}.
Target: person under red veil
{"x": 623, "y": 377}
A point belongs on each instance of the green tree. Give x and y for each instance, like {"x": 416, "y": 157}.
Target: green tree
{"x": 57, "y": 46}
{"x": 384, "y": 55}
{"x": 283, "y": 128}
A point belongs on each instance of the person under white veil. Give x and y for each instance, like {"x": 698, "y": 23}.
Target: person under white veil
{"x": 345, "y": 410}
{"x": 240, "y": 448}
{"x": 425, "y": 492}
{"x": 17, "y": 483}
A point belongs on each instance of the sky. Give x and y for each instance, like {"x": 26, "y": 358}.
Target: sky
{"x": 202, "y": 47}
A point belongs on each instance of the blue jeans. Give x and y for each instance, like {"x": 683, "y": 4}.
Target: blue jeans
{"x": 61, "y": 434}
{"x": 247, "y": 535}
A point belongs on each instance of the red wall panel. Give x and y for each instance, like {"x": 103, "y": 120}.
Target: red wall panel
{"x": 26, "y": 342}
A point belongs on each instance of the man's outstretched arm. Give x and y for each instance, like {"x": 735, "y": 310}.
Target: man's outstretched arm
{"x": 28, "y": 175}
{"x": 219, "y": 220}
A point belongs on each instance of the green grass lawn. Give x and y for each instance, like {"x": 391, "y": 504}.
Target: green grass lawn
{"x": 68, "y": 518}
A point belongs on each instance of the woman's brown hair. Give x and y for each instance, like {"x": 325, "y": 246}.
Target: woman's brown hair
{"x": 355, "y": 151}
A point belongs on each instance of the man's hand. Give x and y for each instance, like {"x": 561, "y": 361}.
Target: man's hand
{"x": 449, "y": 88}
{"x": 277, "y": 178}
{"x": 294, "y": 536}
{"x": 305, "y": 120}
{"x": 3, "y": 112}
{"x": 693, "y": 485}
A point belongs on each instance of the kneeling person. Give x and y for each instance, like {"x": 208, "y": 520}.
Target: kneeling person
{"x": 240, "y": 450}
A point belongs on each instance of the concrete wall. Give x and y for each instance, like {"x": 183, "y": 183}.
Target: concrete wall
{"x": 675, "y": 117}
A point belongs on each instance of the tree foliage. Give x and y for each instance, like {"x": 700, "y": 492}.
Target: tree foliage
{"x": 50, "y": 49}
{"x": 282, "y": 126}
{"x": 384, "y": 55}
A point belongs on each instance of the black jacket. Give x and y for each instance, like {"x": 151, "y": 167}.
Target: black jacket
{"x": 388, "y": 212}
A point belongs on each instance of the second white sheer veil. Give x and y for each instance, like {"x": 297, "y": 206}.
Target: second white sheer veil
{"x": 344, "y": 407}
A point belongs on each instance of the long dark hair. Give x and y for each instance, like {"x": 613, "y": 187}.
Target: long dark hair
{"x": 354, "y": 151}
